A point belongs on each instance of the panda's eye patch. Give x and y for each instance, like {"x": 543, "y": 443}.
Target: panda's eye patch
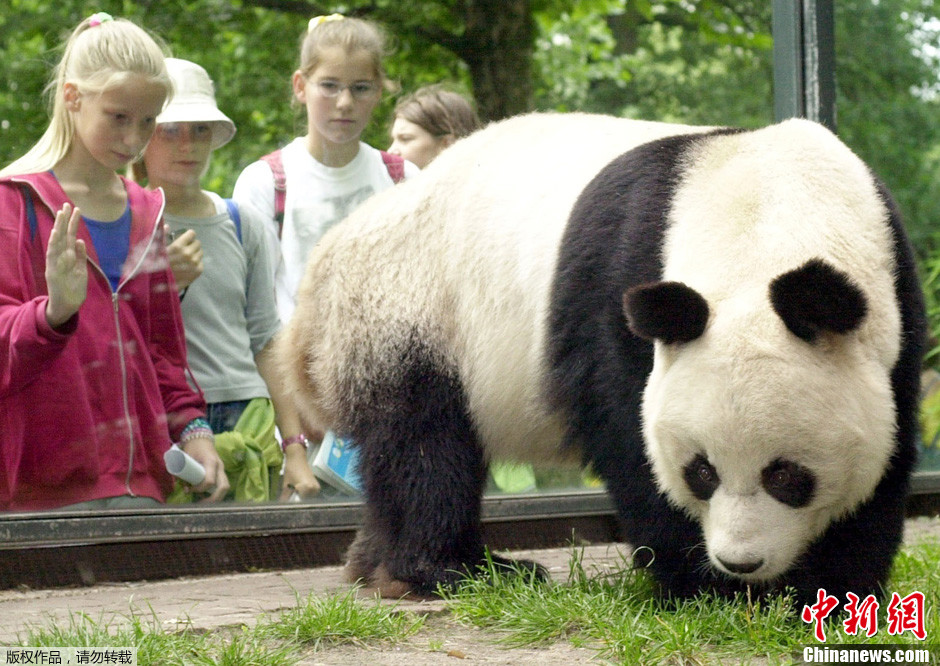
{"x": 789, "y": 482}
{"x": 701, "y": 477}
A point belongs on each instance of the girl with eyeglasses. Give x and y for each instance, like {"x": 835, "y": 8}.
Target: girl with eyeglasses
{"x": 329, "y": 171}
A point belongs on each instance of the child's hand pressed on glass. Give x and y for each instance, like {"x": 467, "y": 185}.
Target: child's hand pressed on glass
{"x": 66, "y": 267}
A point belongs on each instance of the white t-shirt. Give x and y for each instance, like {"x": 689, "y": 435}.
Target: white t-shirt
{"x": 317, "y": 197}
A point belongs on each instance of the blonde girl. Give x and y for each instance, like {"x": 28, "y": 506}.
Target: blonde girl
{"x": 328, "y": 171}
{"x": 92, "y": 385}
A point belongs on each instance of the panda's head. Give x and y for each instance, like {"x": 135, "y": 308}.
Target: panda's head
{"x": 766, "y": 416}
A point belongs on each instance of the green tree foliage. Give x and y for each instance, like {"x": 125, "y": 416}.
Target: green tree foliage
{"x": 698, "y": 61}
{"x": 888, "y": 107}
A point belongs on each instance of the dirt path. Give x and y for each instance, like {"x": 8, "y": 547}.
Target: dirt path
{"x": 220, "y": 602}
{"x": 442, "y": 641}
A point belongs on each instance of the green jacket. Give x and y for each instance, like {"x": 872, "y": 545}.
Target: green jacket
{"x": 251, "y": 455}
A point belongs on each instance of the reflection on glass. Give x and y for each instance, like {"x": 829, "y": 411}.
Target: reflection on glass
{"x": 929, "y": 443}
{"x": 718, "y": 70}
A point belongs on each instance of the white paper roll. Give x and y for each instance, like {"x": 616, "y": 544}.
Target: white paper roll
{"x": 181, "y": 464}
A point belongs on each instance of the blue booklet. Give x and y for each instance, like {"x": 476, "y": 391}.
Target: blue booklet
{"x": 336, "y": 464}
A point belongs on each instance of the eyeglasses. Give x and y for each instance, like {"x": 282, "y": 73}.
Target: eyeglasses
{"x": 361, "y": 90}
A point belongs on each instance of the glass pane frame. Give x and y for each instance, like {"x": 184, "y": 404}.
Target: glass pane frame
{"x": 804, "y": 86}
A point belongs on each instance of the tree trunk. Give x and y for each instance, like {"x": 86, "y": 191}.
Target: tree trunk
{"x": 497, "y": 47}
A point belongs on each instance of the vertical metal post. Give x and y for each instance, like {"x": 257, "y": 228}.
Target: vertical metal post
{"x": 819, "y": 70}
{"x": 804, "y": 60}
{"x": 788, "y": 59}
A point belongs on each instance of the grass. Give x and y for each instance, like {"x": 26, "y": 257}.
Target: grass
{"x": 336, "y": 619}
{"x": 616, "y": 615}
{"x": 612, "y": 613}
{"x": 155, "y": 645}
{"x": 273, "y": 641}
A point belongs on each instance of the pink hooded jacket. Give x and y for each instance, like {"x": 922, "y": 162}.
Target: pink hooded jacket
{"x": 87, "y": 410}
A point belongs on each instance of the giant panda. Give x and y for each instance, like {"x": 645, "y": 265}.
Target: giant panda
{"x": 725, "y": 324}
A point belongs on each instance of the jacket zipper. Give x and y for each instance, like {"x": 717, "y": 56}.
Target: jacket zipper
{"x": 115, "y": 309}
{"x": 124, "y": 397}
{"x": 117, "y": 321}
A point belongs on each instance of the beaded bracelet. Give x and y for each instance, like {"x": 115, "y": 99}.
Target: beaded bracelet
{"x": 296, "y": 439}
{"x": 196, "y": 429}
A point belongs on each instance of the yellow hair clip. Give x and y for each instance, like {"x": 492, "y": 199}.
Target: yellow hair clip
{"x": 319, "y": 20}
{"x": 97, "y": 19}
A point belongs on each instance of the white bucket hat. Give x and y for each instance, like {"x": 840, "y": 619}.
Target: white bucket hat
{"x": 193, "y": 101}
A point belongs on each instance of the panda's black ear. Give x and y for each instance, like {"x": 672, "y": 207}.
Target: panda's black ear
{"x": 817, "y": 297}
{"x": 666, "y": 311}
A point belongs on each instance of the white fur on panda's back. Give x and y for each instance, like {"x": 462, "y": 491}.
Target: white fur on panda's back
{"x": 507, "y": 204}
{"x": 465, "y": 254}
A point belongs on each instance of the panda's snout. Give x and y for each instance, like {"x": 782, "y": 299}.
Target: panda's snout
{"x": 743, "y": 567}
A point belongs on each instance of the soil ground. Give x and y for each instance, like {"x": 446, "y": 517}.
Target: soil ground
{"x": 217, "y": 603}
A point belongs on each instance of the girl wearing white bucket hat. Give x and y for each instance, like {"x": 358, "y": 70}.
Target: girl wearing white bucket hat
{"x": 228, "y": 312}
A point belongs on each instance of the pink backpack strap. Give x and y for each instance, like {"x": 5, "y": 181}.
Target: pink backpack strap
{"x": 395, "y": 165}
{"x": 280, "y": 186}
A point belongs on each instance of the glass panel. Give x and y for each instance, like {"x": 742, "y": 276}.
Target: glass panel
{"x": 887, "y": 103}
{"x": 697, "y": 68}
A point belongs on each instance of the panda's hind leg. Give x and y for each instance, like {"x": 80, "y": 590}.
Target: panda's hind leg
{"x": 423, "y": 491}
{"x": 365, "y": 555}
{"x": 423, "y": 472}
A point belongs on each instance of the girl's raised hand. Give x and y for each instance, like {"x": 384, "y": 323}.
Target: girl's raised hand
{"x": 66, "y": 267}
